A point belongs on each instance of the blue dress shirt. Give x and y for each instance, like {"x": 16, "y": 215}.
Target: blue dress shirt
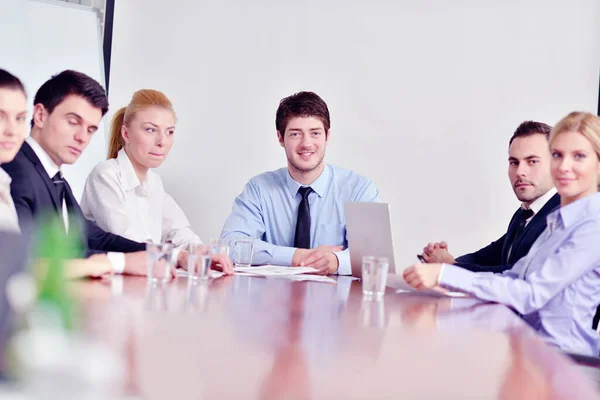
{"x": 267, "y": 210}
{"x": 556, "y": 287}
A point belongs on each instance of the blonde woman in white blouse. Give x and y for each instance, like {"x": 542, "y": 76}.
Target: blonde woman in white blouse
{"x": 123, "y": 195}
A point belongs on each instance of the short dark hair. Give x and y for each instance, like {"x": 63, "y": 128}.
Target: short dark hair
{"x": 529, "y": 128}
{"x": 301, "y": 104}
{"x": 67, "y": 83}
{"x": 9, "y": 81}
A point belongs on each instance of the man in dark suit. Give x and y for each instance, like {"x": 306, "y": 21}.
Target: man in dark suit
{"x": 67, "y": 111}
{"x": 529, "y": 174}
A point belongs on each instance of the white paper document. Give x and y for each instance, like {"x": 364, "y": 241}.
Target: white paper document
{"x": 212, "y": 273}
{"x": 274, "y": 270}
{"x": 306, "y": 277}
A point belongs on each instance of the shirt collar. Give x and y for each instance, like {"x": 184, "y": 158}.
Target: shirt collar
{"x": 540, "y": 202}
{"x": 5, "y": 179}
{"x": 129, "y": 177}
{"x": 318, "y": 186}
{"x": 49, "y": 165}
{"x": 577, "y": 210}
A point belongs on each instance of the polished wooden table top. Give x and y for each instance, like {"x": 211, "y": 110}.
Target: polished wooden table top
{"x": 244, "y": 337}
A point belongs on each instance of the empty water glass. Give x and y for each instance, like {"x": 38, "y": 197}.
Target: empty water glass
{"x": 198, "y": 263}
{"x": 242, "y": 252}
{"x": 159, "y": 262}
{"x": 374, "y": 276}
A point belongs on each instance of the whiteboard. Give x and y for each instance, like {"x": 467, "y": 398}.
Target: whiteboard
{"x": 43, "y": 38}
{"x": 423, "y": 96}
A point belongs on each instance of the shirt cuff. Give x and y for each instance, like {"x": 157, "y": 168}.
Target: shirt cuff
{"x": 344, "y": 267}
{"x": 454, "y": 277}
{"x": 117, "y": 260}
{"x": 282, "y": 255}
{"x": 441, "y": 274}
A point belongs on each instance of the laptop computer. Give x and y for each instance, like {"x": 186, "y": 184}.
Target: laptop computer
{"x": 369, "y": 233}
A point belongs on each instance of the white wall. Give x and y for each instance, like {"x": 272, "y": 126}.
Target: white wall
{"x": 423, "y": 96}
{"x": 42, "y": 38}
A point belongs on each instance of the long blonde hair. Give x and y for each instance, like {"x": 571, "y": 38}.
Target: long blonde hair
{"x": 141, "y": 100}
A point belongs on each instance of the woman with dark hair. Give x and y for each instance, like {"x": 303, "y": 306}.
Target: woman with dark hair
{"x": 13, "y": 129}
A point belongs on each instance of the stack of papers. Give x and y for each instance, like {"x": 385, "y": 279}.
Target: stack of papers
{"x": 274, "y": 270}
{"x": 278, "y": 271}
{"x": 308, "y": 277}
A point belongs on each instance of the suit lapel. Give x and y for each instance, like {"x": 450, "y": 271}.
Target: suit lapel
{"x": 31, "y": 156}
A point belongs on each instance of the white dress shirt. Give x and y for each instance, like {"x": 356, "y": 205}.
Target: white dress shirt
{"x": 9, "y": 221}
{"x": 116, "y": 259}
{"x": 538, "y": 203}
{"x": 52, "y": 169}
{"x": 118, "y": 202}
{"x": 536, "y": 206}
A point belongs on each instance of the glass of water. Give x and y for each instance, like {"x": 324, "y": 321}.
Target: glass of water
{"x": 159, "y": 262}
{"x": 219, "y": 246}
{"x": 242, "y": 252}
{"x": 198, "y": 263}
{"x": 374, "y": 276}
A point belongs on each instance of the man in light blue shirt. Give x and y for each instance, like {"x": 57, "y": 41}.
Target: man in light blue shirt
{"x": 297, "y": 213}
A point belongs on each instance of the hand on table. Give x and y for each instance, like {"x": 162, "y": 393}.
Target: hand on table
{"x": 437, "y": 252}
{"x": 423, "y": 276}
{"x": 321, "y": 258}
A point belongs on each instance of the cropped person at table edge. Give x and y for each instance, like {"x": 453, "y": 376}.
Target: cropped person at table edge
{"x": 297, "y": 213}
{"x": 67, "y": 111}
{"x": 13, "y": 130}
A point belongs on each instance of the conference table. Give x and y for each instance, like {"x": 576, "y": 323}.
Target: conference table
{"x": 242, "y": 337}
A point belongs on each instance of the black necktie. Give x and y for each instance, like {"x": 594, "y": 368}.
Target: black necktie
{"x": 302, "y": 238}
{"x": 61, "y": 187}
{"x": 525, "y": 215}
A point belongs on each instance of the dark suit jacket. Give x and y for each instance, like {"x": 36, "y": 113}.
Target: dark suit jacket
{"x": 35, "y": 195}
{"x": 494, "y": 258}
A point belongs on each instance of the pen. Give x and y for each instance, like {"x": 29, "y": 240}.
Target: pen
{"x": 420, "y": 257}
